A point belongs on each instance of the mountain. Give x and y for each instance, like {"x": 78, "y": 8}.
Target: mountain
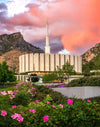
{"x": 12, "y": 46}
{"x": 91, "y": 54}
{"x": 91, "y": 59}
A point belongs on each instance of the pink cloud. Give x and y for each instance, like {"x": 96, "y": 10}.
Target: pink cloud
{"x": 77, "y": 22}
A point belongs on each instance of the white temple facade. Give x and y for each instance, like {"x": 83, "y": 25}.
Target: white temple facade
{"x": 47, "y": 62}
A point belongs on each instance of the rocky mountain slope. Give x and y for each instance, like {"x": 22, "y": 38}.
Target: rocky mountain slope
{"x": 12, "y": 46}
{"x": 92, "y": 54}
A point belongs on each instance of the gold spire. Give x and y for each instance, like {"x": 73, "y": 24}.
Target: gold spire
{"x": 47, "y": 20}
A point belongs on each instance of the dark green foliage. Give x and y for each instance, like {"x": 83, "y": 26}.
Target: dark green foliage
{"x": 59, "y": 73}
{"x": 49, "y": 77}
{"x": 22, "y": 98}
{"x": 79, "y": 114}
{"x": 97, "y": 99}
{"x": 6, "y": 74}
{"x": 86, "y": 81}
{"x": 56, "y": 96}
{"x": 68, "y": 69}
{"x": 7, "y": 84}
{"x": 94, "y": 64}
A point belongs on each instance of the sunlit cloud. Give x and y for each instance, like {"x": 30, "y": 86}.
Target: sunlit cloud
{"x": 76, "y": 22}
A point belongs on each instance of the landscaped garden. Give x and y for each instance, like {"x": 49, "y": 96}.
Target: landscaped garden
{"x": 23, "y": 104}
{"x": 27, "y": 105}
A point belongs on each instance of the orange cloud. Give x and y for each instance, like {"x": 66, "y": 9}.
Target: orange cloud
{"x": 77, "y": 22}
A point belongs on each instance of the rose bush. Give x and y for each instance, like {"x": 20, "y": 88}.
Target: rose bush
{"x": 46, "y": 112}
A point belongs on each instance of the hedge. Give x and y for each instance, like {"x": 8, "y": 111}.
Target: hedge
{"x": 86, "y": 81}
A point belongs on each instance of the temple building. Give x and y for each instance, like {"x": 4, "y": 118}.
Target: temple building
{"x": 41, "y": 63}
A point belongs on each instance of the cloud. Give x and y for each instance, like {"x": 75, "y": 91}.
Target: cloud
{"x": 64, "y": 51}
{"x": 76, "y": 22}
{"x": 3, "y": 6}
{"x": 55, "y": 44}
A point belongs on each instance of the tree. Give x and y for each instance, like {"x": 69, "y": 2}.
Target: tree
{"x": 68, "y": 70}
{"x": 86, "y": 69}
{"x": 60, "y": 74}
{"x": 6, "y": 74}
{"x": 50, "y": 77}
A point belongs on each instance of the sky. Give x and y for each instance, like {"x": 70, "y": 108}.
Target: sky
{"x": 73, "y": 24}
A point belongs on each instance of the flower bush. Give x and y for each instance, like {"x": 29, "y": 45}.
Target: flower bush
{"x": 46, "y": 112}
{"x": 59, "y": 85}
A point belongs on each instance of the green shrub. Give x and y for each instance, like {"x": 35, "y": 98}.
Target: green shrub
{"x": 80, "y": 114}
{"x": 56, "y": 96}
{"x": 6, "y": 74}
{"x": 49, "y": 77}
{"x": 86, "y": 81}
{"x": 21, "y": 98}
{"x": 7, "y": 84}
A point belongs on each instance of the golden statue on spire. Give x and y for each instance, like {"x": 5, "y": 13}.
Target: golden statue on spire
{"x": 47, "y": 20}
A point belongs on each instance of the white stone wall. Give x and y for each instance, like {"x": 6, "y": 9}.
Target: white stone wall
{"x": 57, "y": 63}
{"x": 31, "y": 64}
{"x": 52, "y": 65}
{"x": 79, "y": 64}
{"x": 20, "y": 64}
{"x": 42, "y": 62}
{"x": 71, "y": 59}
{"x": 22, "y": 60}
{"x": 47, "y": 62}
{"x": 76, "y": 63}
{"x": 27, "y": 63}
{"x": 36, "y": 62}
{"x": 62, "y": 60}
{"x": 67, "y": 58}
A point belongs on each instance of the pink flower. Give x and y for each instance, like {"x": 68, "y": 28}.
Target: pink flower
{"x": 48, "y": 102}
{"x": 54, "y": 106}
{"x": 20, "y": 118}
{"x": 35, "y": 92}
{"x": 3, "y": 113}
{"x": 14, "y": 106}
{"x": 61, "y": 105}
{"x": 4, "y": 93}
{"x": 11, "y": 96}
{"x": 88, "y": 100}
{"x": 46, "y": 118}
{"x": 10, "y": 92}
{"x": 32, "y": 110}
{"x": 32, "y": 88}
{"x": 14, "y": 116}
{"x": 16, "y": 91}
{"x": 70, "y": 102}
{"x": 37, "y": 101}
